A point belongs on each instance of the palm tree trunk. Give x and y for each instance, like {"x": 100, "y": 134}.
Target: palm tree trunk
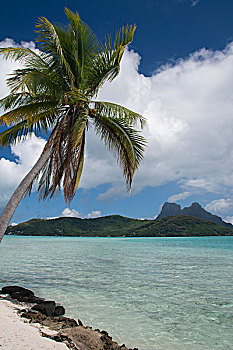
{"x": 15, "y": 199}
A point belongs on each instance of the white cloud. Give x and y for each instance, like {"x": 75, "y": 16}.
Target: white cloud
{"x": 6, "y": 67}
{"x": 94, "y": 214}
{"x": 220, "y": 206}
{"x": 71, "y": 213}
{"x": 179, "y": 196}
{"x": 12, "y": 172}
{"x": 189, "y": 109}
{"x": 229, "y": 219}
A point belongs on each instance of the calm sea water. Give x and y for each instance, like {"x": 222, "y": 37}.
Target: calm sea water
{"x": 158, "y": 293}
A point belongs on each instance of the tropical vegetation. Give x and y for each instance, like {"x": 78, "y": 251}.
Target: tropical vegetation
{"x": 118, "y": 226}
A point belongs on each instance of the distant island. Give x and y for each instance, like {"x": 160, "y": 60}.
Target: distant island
{"x": 196, "y": 210}
{"x": 171, "y": 222}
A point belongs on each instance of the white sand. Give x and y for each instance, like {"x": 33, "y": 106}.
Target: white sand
{"x": 16, "y": 334}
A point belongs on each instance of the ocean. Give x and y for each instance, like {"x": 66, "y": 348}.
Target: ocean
{"x": 150, "y": 293}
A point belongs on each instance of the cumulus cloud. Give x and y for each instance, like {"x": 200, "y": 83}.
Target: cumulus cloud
{"x": 6, "y": 67}
{"x": 188, "y": 106}
{"x": 220, "y": 206}
{"x": 71, "y": 213}
{"x": 229, "y": 219}
{"x": 179, "y": 196}
{"x": 94, "y": 214}
{"x": 12, "y": 172}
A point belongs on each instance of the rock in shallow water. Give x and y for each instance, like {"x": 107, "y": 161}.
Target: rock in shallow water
{"x": 16, "y": 289}
{"x": 59, "y": 310}
{"x": 27, "y": 298}
{"x": 46, "y": 308}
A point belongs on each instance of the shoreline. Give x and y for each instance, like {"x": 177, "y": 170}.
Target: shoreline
{"x": 32, "y": 323}
{"x": 15, "y": 332}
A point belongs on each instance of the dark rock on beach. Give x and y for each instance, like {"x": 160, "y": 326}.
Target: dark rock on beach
{"x": 26, "y": 299}
{"x": 21, "y": 294}
{"x": 16, "y": 289}
{"x": 59, "y": 310}
{"x": 46, "y": 308}
{"x": 55, "y": 323}
{"x": 87, "y": 339}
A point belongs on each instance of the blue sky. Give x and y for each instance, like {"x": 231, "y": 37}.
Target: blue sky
{"x": 178, "y": 73}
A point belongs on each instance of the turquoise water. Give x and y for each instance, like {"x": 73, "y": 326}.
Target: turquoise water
{"x": 158, "y": 293}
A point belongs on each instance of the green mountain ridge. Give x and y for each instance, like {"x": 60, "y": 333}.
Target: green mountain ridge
{"x": 119, "y": 226}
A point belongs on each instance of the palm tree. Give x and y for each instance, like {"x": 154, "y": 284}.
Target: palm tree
{"x": 55, "y": 92}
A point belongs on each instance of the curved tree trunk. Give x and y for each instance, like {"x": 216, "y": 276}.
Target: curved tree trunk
{"x": 15, "y": 199}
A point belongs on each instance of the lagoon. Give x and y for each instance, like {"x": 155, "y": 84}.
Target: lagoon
{"x": 150, "y": 293}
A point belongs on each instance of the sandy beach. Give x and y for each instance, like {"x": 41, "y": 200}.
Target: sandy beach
{"x": 16, "y": 333}
{"x": 28, "y": 322}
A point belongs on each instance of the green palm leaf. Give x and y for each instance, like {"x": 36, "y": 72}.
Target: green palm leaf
{"x": 49, "y": 38}
{"x": 29, "y": 112}
{"x": 106, "y": 65}
{"x": 114, "y": 110}
{"x": 24, "y": 55}
{"x": 126, "y": 143}
{"x": 85, "y": 44}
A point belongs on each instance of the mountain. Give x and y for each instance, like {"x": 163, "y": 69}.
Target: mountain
{"x": 118, "y": 226}
{"x": 196, "y": 210}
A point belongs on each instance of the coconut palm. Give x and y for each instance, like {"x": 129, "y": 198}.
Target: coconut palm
{"x": 55, "y": 92}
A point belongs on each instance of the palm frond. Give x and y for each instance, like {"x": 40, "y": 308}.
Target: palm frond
{"x": 13, "y": 134}
{"x": 106, "y": 65}
{"x": 21, "y": 130}
{"x": 35, "y": 82}
{"x": 79, "y": 127}
{"x": 24, "y": 55}
{"x": 85, "y": 44}
{"x": 64, "y": 168}
{"x": 114, "y": 110}
{"x": 48, "y": 37}
{"x": 76, "y": 96}
{"x": 80, "y": 162}
{"x": 29, "y": 112}
{"x": 14, "y": 100}
{"x": 125, "y": 142}
{"x": 38, "y": 67}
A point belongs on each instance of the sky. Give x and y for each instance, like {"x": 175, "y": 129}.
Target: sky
{"x": 177, "y": 73}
